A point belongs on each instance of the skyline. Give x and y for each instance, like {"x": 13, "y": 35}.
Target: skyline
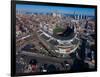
{"x": 44, "y": 8}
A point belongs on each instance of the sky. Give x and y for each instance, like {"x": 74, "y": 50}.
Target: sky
{"x": 44, "y": 8}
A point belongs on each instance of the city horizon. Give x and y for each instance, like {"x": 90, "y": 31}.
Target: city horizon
{"x": 50, "y": 9}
